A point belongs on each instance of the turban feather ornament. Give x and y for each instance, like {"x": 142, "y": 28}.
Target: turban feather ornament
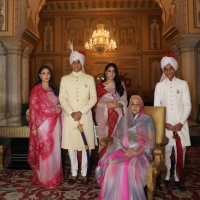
{"x": 76, "y": 55}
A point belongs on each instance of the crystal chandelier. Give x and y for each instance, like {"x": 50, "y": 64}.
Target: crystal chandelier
{"x": 100, "y": 40}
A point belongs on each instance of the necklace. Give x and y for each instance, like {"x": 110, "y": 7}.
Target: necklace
{"x": 107, "y": 83}
{"x": 45, "y": 86}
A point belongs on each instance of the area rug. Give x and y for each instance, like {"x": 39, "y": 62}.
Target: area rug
{"x": 17, "y": 185}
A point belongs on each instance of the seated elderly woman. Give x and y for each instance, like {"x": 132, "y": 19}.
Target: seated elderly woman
{"x": 123, "y": 168}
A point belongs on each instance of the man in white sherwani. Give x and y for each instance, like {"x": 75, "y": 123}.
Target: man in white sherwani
{"x": 77, "y": 97}
{"x": 174, "y": 94}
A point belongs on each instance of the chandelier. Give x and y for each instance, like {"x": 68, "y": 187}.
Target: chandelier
{"x": 100, "y": 40}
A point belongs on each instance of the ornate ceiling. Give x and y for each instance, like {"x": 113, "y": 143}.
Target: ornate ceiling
{"x": 91, "y": 5}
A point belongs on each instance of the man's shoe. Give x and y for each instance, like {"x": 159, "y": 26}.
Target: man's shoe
{"x": 85, "y": 180}
{"x": 167, "y": 182}
{"x": 73, "y": 180}
{"x": 180, "y": 187}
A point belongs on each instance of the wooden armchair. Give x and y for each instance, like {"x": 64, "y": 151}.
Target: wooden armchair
{"x": 157, "y": 167}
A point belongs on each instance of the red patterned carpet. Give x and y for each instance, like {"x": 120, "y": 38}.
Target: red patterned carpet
{"x": 17, "y": 185}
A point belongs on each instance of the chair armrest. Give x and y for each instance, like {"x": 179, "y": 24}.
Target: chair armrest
{"x": 164, "y": 141}
{"x": 158, "y": 152}
{"x": 104, "y": 141}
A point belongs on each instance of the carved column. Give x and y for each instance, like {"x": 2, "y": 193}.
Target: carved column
{"x": 198, "y": 70}
{"x": 2, "y": 82}
{"x": 13, "y": 74}
{"x": 25, "y": 73}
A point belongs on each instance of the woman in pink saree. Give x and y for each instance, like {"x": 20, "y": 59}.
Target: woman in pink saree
{"x": 111, "y": 104}
{"x": 122, "y": 170}
{"x": 44, "y": 154}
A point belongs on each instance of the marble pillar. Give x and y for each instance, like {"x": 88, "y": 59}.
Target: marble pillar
{"x": 25, "y": 73}
{"x": 198, "y": 70}
{"x": 3, "y": 107}
{"x": 13, "y": 74}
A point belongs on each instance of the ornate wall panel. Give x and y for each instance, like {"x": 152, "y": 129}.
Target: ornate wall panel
{"x": 48, "y": 34}
{"x": 3, "y": 15}
{"x": 155, "y": 32}
{"x": 128, "y": 31}
{"x": 197, "y": 13}
{"x": 73, "y": 29}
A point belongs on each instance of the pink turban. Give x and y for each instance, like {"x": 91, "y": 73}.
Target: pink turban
{"x": 169, "y": 60}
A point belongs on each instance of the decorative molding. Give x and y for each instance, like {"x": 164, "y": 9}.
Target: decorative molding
{"x": 128, "y": 62}
{"x": 16, "y": 16}
{"x": 181, "y": 15}
{"x": 101, "y": 63}
{"x": 20, "y": 23}
{"x": 30, "y": 37}
{"x": 55, "y": 6}
{"x": 24, "y": 5}
{"x": 171, "y": 34}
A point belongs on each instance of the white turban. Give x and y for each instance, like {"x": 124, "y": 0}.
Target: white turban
{"x": 169, "y": 60}
{"x": 75, "y": 55}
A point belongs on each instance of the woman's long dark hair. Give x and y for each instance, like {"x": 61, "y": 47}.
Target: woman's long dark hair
{"x": 52, "y": 85}
{"x": 117, "y": 79}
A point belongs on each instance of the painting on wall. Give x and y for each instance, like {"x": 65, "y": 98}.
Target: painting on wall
{"x": 197, "y": 13}
{"x": 3, "y": 15}
{"x": 154, "y": 32}
{"x": 48, "y": 28}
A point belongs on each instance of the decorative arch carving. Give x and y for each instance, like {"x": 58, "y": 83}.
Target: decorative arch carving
{"x": 75, "y": 23}
{"x": 127, "y": 32}
{"x": 75, "y": 31}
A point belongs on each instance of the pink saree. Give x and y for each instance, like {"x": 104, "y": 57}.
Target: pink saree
{"x": 120, "y": 176}
{"x": 44, "y": 155}
{"x": 107, "y": 119}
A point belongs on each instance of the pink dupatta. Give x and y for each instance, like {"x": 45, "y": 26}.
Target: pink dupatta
{"x": 41, "y": 108}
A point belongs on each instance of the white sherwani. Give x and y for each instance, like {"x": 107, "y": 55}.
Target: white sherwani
{"x": 77, "y": 93}
{"x": 175, "y": 96}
